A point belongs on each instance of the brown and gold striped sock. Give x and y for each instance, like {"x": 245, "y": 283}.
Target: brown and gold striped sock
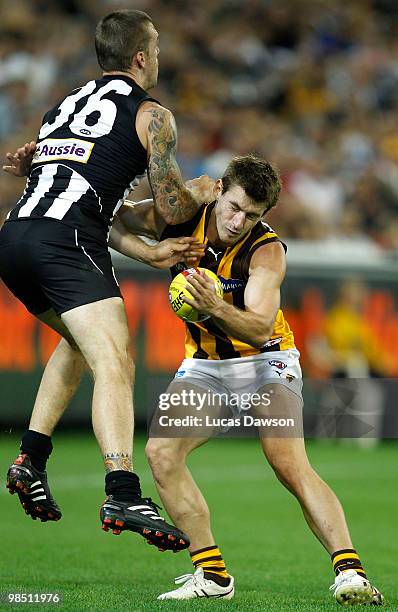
{"x": 213, "y": 564}
{"x": 347, "y": 559}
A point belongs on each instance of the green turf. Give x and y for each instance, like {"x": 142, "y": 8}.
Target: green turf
{"x": 276, "y": 562}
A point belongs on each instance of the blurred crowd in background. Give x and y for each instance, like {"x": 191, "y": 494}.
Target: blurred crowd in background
{"x": 312, "y": 85}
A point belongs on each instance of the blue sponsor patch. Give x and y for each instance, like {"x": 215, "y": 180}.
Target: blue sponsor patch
{"x": 231, "y": 284}
{"x": 180, "y": 374}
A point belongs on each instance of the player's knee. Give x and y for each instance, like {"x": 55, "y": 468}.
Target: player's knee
{"x": 286, "y": 475}
{"x": 290, "y": 474}
{"x": 74, "y": 354}
{"x": 116, "y": 365}
{"x": 163, "y": 456}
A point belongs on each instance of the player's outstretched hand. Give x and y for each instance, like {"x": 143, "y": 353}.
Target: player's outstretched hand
{"x": 202, "y": 188}
{"x": 171, "y": 251}
{"x": 20, "y": 161}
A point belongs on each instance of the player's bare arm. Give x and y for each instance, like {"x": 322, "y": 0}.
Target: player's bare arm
{"x": 262, "y": 298}
{"x": 161, "y": 255}
{"x": 141, "y": 218}
{"x": 21, "y": 160}
{"x": 157, "y": 131}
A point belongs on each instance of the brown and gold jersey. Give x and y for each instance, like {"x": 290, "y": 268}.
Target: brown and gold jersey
{"x": 205, "y": 340}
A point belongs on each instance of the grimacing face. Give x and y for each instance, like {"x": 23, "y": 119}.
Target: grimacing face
{"x": 236, "y": 214}
{"x": 152, "y": 66}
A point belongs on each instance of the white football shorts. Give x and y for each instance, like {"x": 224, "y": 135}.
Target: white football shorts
{"x": 244, "y": 376}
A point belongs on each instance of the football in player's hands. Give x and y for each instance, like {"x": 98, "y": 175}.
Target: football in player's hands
{"x": 178, "y": 289}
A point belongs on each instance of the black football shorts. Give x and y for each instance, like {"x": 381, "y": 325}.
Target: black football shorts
{"x": 47, "y": 264}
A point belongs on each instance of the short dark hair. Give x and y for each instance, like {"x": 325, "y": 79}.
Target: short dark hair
{"x": 259, "y": 179}
{"x": 119, "y": 36}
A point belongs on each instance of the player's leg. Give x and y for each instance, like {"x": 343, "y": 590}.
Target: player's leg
{"x": 288, "y": 458}
{"x": 100, "y": 330}
{"x": 186, "y": 505}
{"x": 27, "y": 475}
{"x": 60, "y": 379}
{"x": 22, "y": 254}
{"x": 321, "y": 507}
{"x": 180, "y": 495}
{"x": 101, "y": 333}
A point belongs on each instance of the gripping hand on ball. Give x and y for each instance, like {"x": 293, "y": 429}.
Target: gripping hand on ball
{"x": 204, "y": 296}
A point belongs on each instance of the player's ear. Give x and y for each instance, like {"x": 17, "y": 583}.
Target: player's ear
{"x": 140, "y": 59}
{"x": 218, "y": 188}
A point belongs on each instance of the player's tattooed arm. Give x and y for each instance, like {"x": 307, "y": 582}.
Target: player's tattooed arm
{"x": 173, "y": 200}
{"x": 117, "y": 461}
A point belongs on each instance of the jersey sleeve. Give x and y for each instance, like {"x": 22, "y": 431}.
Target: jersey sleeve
{"x": 266, "y": 239}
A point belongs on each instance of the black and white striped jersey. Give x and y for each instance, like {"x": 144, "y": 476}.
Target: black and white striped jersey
{"x": 88, "y": 157}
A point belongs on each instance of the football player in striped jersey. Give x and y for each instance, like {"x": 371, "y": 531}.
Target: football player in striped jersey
{"x": 244, "y": 347}
{"x": 91, "y": 150}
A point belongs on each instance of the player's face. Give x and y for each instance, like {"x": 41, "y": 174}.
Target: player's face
{"x": 152, "y": 65}
{"x": 236, "y": 214}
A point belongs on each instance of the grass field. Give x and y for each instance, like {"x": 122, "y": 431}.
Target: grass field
{"x": 278, "y": 565}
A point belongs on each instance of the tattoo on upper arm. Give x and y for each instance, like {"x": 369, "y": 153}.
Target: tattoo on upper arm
{"x": 171, "y": 199}
{"x": 117, "y": 461}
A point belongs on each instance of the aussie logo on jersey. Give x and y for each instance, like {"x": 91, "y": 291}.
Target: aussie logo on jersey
{"x": 53, "y": 149}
